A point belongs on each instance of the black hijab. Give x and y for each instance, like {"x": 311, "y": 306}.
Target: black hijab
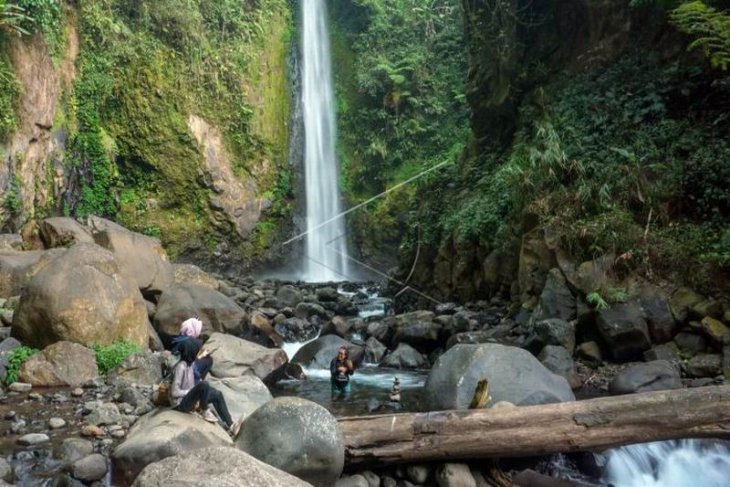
{"x": 189, "y": 349}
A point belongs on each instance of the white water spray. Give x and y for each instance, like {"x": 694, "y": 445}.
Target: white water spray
{"x": 685, "y": 463}
{"x": 326, "y": 244}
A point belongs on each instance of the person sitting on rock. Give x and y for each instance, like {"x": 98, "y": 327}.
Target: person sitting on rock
{"x": 187, "y": 396}
{"x": 341, "y": 369}
{"x": 190, "y": 331}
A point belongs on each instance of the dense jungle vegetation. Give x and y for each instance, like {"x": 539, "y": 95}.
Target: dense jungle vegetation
{"x": 623, "y": 150}
{"x": 143, "y": 69}
{"x": 604, "y": 121}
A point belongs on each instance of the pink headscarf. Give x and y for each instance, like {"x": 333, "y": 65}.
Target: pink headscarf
{"x": 191, "y": 327}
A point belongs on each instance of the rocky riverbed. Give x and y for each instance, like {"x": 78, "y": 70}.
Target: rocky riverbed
{"x": 63, "y": 423}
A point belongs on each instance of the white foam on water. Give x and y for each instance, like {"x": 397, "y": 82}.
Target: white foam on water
{"x": 681, "y": 463}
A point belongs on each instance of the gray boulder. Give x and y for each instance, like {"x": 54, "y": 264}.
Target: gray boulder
{"x": 217, "y": 311}
{"x": 288, "y": 296}
{"x": 705, "y": 365}
{"x": 651, "y": 376}
{"x": 556, "y": 300}
{"x": 81, "y": 296}
{"x": 160, "y": 434}
{"x": 62, "y": 232}
{"x": 142, "y": 256}
{"x": 417, "y": 329}
{"x": 90, "y": 468}
{"x": 374, "y": 351}
{"x": 550, "y": 332}
{"x": 404, "y": 357}
{"x": 214, "y": 467}
{"x": 17, "y": 267}
{"x": 243, "y": 395}
{"x": 61, "y": 364}
{"x": 297, "y": 436}
{"x": 192, "y": 274}
{"x": 143, "y": 368}
{"x": 296, "y": 330}
{"x": 235, "y": 357}
{"x": 659, "y": 318}
{"x": 625, "y": 331}
{"x": 320, "y": 352}
{"x": 559, "y": 361}
{"x": 514, "y": 375}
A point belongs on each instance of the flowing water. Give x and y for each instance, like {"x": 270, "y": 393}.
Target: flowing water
{"x": 681, "y": 463}
{"x": 326, "y": 247}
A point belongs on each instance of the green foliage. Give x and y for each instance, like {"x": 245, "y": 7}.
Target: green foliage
{"x": 16, "y": 358}
{"x": 44, "y": 16}
{"x": 400, "y": 89}
{"x": 110, "y": 356}
{"x": 13, "y": 19}
{"x": 710, "y": 29}
{"x": 9, "y": 97}
{"x": 12, "y": 196}
{"x": 596, "y": 300}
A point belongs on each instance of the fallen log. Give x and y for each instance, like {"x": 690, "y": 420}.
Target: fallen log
{"x": 590, "y": 425}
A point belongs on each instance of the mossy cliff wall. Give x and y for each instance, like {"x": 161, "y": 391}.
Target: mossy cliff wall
{"x": 169, "y": 116}
{"x": 595, "y": 131}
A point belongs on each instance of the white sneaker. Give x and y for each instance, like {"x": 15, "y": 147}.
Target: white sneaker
{"x": 209, "y": 416}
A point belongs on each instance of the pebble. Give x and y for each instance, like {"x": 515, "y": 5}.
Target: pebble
{"x": 35, "y": 396}
{"x": 91, "y": 430}
{"x": 78, "y": 392}
{"x": 55, "y": 423}
{"x": 119, "y": 433}
{"x": 9, "y": 415}
{"x": 33, "y": 439}
{"x": 18, "y": 426}
{"x": 90, "y": 468}
{"x": 20, "y": 387}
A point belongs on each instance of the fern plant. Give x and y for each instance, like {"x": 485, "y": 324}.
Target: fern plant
{"x": 709, "y": 26}
{"x": 16, "y": 358}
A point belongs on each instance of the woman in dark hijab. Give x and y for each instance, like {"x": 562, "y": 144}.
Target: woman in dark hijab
{"x": 186, "y": 395}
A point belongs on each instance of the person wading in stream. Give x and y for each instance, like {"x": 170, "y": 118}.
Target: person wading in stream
{"x": 341, "y": 369}
{"x": 187, "y": 396}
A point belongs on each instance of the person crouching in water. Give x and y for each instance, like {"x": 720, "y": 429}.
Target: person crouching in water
{"x": 341, "y": 369}
{"x": 186, "y": 396}
{"x": 190, "y": 331}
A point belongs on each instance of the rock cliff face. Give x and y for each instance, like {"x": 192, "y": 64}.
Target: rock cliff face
{"x": 155, "y": 118}
{"x": 515, "y": 45}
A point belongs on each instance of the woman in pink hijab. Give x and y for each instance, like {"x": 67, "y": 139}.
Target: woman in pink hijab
{"x": 190, "y": 331}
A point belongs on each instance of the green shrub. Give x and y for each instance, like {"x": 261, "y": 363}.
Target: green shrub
{"x": 16, "y": 358}
{"x": 9, "y": 96}
{"x": 110, "y": 356}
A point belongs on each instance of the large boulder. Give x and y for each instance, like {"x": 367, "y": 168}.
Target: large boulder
{"x": 289, "y": 296}
{"x": 215, "y": 467}
{"x": 625, "y": 331}
{"x": 61, "y": 364}
{"x": 144, "y": 368}
{"x": 551, "y": 332}
{"x": 217, "y": 311}
{"x": 17, "y": 267}
{"x": 81, "y": 296}
{"x": 559, "y": 361}
{"x": 514, "y": 375}
{"x": 658, "y": 375}
{"x": 659, "y": 318}
{"x": 296, "y": 329}
{"x": 189, "y": 273}
{"x": 297, "y": 436}
{"x": 243, "y": 395}
{"x": 404, "y": 357}
{"x": 556, "y": 300}
{"x": 160, "y": 434}
{"x": 320, "y": 352}
{"x": 417, "y": 328}
{"x": 62, "y": 232}
{"x": 142, "y": 257}
{"x": 234, "y": 357}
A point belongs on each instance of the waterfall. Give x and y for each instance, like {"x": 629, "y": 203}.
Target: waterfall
{"x": 326, "y": 246}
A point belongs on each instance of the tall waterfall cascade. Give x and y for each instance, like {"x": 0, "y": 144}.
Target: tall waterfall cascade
{"x": 326, "y": 248}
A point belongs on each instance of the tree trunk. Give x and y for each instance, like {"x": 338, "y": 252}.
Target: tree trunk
{"x": 593, "y": 424}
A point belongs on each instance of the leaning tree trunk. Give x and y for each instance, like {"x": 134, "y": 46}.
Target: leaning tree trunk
{"x": 536, "y": 430}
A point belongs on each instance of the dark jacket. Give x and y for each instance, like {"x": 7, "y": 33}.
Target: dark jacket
{"x": 341, "y": 377}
